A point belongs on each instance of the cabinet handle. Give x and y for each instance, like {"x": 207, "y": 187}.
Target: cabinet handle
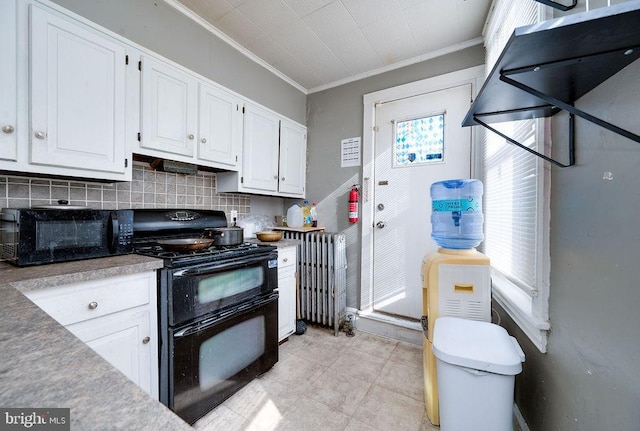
{"x": 275, "y": 177}
{"x": 203, "y": 140}
{"x": 8, "y": 128}
{"x": 285, "y": 260}
{"x": 40, "y": 135}
{"x": 282, "y": 178}
{"x": 93, "y": 305}
{"x": 146, "y": 340}
{"x": 191, "y": 136}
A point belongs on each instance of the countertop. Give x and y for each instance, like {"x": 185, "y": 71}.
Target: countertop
{"x": 279, "y": 244}
{"x": 43, "y": 365}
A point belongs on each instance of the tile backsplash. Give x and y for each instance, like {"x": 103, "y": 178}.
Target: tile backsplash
{"x": 148, "y": 189}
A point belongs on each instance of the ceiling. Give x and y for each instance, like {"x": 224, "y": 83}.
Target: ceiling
{"x": 318, "y": 44}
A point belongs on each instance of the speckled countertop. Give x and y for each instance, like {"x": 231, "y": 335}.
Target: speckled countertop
{"x": 44, "y": 365}
{"x": 280, "y": 244}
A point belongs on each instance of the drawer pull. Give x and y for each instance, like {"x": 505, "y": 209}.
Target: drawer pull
{"x": 146, "y": 340}
{"x": 93, "y": 305}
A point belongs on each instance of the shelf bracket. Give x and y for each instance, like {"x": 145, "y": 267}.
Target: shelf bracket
{"x": 557, "y": 5}
{"x": 553, "y": 101}
{"x": 534, "y": 152}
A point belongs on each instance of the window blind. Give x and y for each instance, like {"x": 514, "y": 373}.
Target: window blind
{"x": 510, "y": 175}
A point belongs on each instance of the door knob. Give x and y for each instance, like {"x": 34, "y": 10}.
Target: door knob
{"x": 381, "y": 225}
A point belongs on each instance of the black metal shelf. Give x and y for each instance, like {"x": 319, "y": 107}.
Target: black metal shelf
{"x": 546, "y": 67}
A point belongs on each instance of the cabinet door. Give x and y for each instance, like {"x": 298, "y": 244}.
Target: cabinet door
{"x": 293, "y": 158}
{"x": 125, "y": 340}
{"x": 169, "y": 105}
{"x": 8, "y": 81}
{"x": 287, "y": 292}
{"x": 219, "y": 128}
{"x": 260, "y": 158}
{"x": 77, "y": 96}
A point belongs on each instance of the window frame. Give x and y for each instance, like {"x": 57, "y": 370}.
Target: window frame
{"x": 529, "y": 309}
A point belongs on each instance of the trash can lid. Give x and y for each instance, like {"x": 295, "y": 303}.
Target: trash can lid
{"x": 478, "y": 345}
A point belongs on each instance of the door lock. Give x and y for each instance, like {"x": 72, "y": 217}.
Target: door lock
{"x": 381, "y": 225}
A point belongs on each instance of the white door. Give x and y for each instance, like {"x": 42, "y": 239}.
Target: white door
{"x": 411, "y": 153}
{"x": 77, "y": 96}
{"x": 219, "y": 128}
{"x": 169, "y": 108}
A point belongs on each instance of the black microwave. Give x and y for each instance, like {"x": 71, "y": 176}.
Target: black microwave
{"x": 35, "y": 236}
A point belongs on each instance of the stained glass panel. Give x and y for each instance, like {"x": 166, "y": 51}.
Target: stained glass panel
{"x": 419, "y": 141}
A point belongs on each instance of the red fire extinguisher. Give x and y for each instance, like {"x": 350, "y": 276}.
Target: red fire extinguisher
{"x": 353, "y": 204}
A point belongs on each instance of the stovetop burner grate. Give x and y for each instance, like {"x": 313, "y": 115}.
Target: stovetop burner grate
{"x": 211, "y": 254}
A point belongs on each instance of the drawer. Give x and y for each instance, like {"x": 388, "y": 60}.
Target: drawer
{"x": 87, "y": 300}
{"x": 286, "y": 256}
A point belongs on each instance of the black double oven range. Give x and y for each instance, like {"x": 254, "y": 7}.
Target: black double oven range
{"x": 218, "y": 310}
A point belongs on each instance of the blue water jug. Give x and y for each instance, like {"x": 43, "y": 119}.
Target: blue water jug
{"x": 456, "y": 217}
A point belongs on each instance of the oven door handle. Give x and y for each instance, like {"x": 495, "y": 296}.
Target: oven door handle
{"x": 204, "y": 324}
{"x": 220, "y": 266}
{"x": 212, "y": 321}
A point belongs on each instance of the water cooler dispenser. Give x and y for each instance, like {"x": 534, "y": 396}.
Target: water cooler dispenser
{"x": 456, "y": 279}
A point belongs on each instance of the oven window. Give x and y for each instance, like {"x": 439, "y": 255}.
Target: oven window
{"x": 68, "y": 234}
{"x": 223, "y": 356}
{"x": 227, "y": 284}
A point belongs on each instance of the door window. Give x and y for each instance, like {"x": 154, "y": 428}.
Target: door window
{"x": 417, "y": 141}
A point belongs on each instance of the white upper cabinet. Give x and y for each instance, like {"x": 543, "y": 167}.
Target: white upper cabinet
{"x": 77, "y": 98}
{"x": 260, "y": 149}
{"x": 169, "y": 105}
{"x": 274, "y": 154}
{"x": 186, "y": 118}
{"x": 8, "y": 81}
{"x": 293, "y": 158}
{"x": 219, "y": 127}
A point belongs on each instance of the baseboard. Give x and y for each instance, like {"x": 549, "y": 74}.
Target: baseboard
{"x": 384, "y": 325}
{"x": 519, "y": 418}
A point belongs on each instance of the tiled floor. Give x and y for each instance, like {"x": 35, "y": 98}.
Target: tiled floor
{"x": 322, "y": 382}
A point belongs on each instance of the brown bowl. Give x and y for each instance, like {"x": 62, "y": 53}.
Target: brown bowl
{"x": 269, "y": 235}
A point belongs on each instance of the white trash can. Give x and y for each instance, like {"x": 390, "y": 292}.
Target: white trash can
{"x": 476, "y": 366}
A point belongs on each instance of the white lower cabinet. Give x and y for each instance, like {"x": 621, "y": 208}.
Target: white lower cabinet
{"x": 287, "y": 286}
{"x": 114, "y": 316}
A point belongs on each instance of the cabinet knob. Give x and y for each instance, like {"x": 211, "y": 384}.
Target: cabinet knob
{"x": 93, "y": 305}
{"x": 285, "y": 259}
{"x": 282, "y": 178}
{"x": 191, "y": 136}
{"x": 8, "y": 128}
{"x": 203, "y": 140}
{"x": 146, "y": 340}
{"x": 275, "y": 177}
{"x": 40, "y": 135}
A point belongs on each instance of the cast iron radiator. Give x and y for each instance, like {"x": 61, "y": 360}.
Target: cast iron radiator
{"x": 322, "y": 277}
